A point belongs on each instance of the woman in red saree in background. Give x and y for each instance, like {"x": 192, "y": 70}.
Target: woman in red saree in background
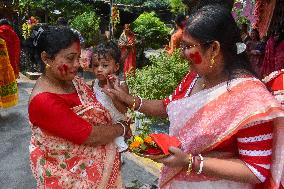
{"x": 274, "y": 53}
{"x": 69, "y": 147}
{"x": 13, "y": 44}
{"x": 8, "y": 84}
{"x": 126, "y": 44}
{"x": 228, "y": 123}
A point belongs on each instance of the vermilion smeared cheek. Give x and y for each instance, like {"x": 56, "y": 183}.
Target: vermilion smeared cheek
{"x": 63, "y": 69}
{"x": 195, "y": 57}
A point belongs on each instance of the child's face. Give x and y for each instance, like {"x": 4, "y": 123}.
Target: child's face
{"x": 103, "y": 67}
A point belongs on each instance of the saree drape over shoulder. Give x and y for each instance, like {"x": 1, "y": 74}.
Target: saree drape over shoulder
{"x": 8, "y": 84}
{"x": 61, "y": 164}
{"x": 206, "y": 119}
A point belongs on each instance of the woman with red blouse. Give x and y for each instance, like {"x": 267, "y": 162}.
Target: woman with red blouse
{"x": 226, "y": 119}
{"x": 69, "y": 147}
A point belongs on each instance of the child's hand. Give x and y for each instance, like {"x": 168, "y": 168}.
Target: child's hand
{"x": 113, "y": 79}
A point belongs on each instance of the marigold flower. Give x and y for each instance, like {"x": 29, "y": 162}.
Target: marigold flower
{"x": 135, "y": 144}
{"x": 148, "y": 139}
{"x": 138, "y": 139}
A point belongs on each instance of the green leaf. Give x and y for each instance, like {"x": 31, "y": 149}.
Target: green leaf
{"x": 83, "y": 166}
{"x": 42, "y": 161}
{"x": 48, "y": 173}
{"x": 63, "y": 166}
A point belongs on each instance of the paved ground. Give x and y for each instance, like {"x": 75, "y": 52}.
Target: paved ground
{"x": 15, "y": 134}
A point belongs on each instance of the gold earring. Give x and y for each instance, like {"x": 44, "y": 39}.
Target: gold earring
{"x": 47, "y": 66}
{"x": 212, "y": 62}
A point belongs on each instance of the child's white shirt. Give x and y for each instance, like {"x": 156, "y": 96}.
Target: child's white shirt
{"x": 116, "y": 116}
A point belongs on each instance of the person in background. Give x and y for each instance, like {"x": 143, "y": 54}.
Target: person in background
{"x": 8, "y": 84}
{"x": 229, "y": 125}
{"x": 126, "y": 44}
{"x": 176, "y": 37}
{"x": 274, "y": 53}
{"x": 69, "y": 146}
{"x": 13, "y": 44}
{"x": 105, "y": 62}
{"x": 244, "y": 33}
{"x": 255, "y": 50}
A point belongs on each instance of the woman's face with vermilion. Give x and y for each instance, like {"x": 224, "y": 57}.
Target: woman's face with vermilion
{"x": 65, "y": 64}
{"x": 193, "y": 52}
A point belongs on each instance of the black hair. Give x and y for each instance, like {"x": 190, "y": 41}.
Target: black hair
{"x": 194, "y": 5}
{"x": 281, "y": 34}
{"x": 216, "y": 23}
{"x": 257, "y": 33}
{"x": 4, "y": 21}
{"x": 180, "y": 19}
{"x": 61, "y": 21}
{"x": 109, "y": 48}
{"x": 50, "y": 39}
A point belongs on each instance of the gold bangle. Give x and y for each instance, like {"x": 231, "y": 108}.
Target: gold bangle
{"x": 134, "y": 104}
{"x": 189, "y": 168}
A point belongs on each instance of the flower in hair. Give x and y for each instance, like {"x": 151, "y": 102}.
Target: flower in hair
{"x": 27, "y": 27}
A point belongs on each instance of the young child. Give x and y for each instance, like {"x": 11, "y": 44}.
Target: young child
{"x": 105, "y": 61}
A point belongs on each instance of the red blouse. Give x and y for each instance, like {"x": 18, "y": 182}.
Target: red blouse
{"x": 253, "y": 144}
{"x": 52, "y": 112}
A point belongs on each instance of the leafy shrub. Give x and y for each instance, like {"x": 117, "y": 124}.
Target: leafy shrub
{"x": 148, "y": 27}
{"x": 158, "y": 80}
{"x": 156, "y": 4}
{"x": 88, "y": 24}
{"x": 177, "y": 6}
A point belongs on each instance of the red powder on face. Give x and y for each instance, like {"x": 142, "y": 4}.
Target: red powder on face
{"x": 63, "y": 69}
{"x": 195, "y": 57}
{"x": 60, "y": 68}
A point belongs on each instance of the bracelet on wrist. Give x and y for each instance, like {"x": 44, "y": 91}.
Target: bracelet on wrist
{"x": 134, "y": 104}
{"x": 124, "y": 127}
{"x": 190, "y": 163}
{"x": 201, "y": 164}
{"x": 141, "y": 103}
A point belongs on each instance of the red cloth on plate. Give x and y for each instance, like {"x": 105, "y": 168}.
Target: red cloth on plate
{"x": 164, "y": 141}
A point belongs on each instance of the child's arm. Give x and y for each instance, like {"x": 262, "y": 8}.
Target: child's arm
{"x": 121, "y": 107}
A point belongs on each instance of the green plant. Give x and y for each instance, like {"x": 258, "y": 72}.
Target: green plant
{"x": 88, "y": 24}
{"x": 68, "y": 8}
{"x": 148, "y": 27}
{"x": 177, "y": 6}
{"x": 158, "y": 80}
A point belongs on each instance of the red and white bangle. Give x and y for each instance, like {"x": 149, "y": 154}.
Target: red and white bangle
{"x": 124, "y": 127}
{"x": 201, "y": 164}
{"x": 141, "y": 103}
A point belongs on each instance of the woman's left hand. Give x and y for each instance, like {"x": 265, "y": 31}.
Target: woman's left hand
{"x": 178, "y": 158}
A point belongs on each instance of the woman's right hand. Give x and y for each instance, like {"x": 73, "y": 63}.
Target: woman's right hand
{"x": 117, "y": 92}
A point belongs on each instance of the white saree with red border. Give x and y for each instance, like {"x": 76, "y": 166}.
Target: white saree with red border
{"x": 206, "y": 119}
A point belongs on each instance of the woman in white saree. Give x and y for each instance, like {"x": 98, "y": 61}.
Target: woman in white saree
{"x": 227, "y": 121}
